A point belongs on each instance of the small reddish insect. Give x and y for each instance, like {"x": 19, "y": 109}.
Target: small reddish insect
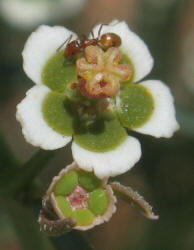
{"x": 105, "y": 41}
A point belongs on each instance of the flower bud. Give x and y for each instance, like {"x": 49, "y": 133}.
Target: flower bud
{"x": 76, "y": 199}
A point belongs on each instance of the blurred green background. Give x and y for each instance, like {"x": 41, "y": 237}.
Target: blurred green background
{"x": 165, "y": 173}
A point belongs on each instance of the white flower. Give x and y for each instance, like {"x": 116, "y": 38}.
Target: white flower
{"x": 41, "y": 46}
{"x": 29, "y": 13}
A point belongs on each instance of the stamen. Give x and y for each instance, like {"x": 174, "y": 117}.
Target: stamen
{"x": 100, "y": 73}
{"x": 78, "y": 198}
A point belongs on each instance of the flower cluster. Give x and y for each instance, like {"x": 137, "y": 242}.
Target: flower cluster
{"x": 95, "y": 97}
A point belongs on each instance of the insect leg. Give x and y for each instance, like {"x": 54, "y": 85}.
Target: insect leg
{"x": 66, "y": 41}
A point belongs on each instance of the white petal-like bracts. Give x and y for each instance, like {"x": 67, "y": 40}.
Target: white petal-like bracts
{"x": 35, "y": 129}
{"x": 40, "y": 46}
{"x": 110, "y": 163}
{"x": 132, "y": 45}
{"x": 163, "y": 122}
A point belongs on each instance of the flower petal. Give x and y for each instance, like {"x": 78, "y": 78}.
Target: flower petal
{"x": 132, "y": 45}
{"x": 109, "y": 163}
{"x": 36, "y": 131}
{"x": 40, "y": 46}
{"x": 162, "y": 122}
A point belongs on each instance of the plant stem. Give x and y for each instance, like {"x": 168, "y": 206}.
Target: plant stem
{"x": 74, "y": 240}
{"x": 25, "y": 174}
{"x": 8, "y": 162}
{"x": 25, "y": 225}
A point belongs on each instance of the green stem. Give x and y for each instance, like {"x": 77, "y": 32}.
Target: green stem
{"x": 26, "y": 227}
{"x": 186, "y": 121}
{"x": 8, "y": 162}
{"x": 74, "y": 240}
{"x": 25, "y": 175}
{"x": 81, "y": 240}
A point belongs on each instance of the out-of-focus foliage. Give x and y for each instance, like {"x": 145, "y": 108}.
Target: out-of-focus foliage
{"x": 165, "y": 173}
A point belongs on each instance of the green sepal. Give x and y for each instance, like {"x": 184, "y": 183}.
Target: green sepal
{"x": 132, "y": 197}
{"x": 101, "y": 135}
{"x": 136, "y": 105}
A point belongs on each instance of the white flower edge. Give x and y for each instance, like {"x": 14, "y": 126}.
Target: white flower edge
{"x": 40, "y": 46}
{"x": 162, "y": 122}
{"x": 34, "y": 128}
{"x": 132, "y": 45}
{"x": 111, "y": 163}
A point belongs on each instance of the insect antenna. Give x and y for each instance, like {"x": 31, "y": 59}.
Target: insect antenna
{"x": 100, "y": 29}
{"x": 66, "y": 41}
{"x": 92, "y": 33}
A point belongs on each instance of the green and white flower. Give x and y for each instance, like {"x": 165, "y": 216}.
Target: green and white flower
{"x": 53, "y": 112}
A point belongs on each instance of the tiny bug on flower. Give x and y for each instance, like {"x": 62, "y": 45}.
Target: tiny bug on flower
{"x": 105, "y": 41}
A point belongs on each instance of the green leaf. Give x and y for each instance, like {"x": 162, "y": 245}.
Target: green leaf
{"x": 136, "y": 105}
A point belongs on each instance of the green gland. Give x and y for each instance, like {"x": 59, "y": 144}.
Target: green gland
{"x": 98, "y": 201}
{"x": 59, "y": 73}
{"x": 136, "y": 106}
{"x": 64, "y": 206}
{"x": 66, "y": 184}
{"x": 58, "y": 113}
{"x": 101, "y": 136}
{"x": 88, "y": 180}
{"x": 84, "y": 217}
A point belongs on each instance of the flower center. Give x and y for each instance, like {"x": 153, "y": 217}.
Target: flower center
{"x": 78, "y": 198}
{"x": 100, "y": 73}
